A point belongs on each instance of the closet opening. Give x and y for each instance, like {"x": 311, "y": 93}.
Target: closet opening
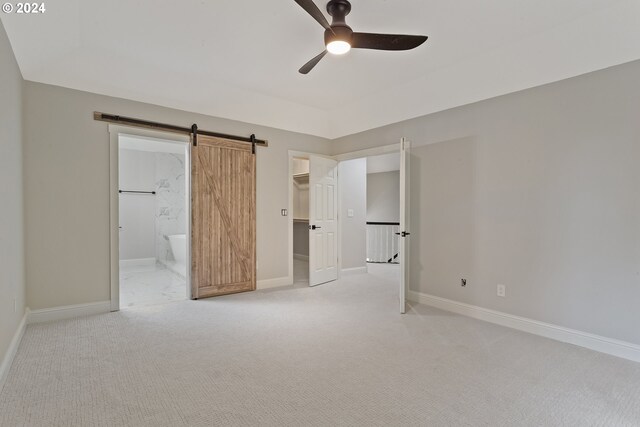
{"x": 300, "y": 183}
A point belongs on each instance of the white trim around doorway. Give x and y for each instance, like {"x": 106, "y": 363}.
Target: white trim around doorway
{"x": 290, "y": 255}
{"x": 368, "y": 152}
{"x": 114, "y": 252}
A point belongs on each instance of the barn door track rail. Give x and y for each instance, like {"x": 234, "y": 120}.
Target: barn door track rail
{"x": 192, "y": 130}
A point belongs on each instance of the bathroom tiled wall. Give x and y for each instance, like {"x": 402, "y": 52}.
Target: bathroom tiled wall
{"x": 170, "y": 215}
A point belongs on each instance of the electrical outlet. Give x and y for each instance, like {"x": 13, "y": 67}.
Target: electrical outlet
{"x": 502, "y": 291}
{"x": 350, "y": 213}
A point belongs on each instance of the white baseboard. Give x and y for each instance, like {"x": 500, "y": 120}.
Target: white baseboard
{"x": 13, "y": 348}
{"x": 614, "y": 347}
{"x": 301, "y": 257}
{"x": 69, "y": 311}
{"x": 274, "y": 283}
{"x": 353, "y": 271}
{"x": 140, "y": 262}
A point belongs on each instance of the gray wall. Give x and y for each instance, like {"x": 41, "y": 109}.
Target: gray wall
{"x": 353, "y": 195}
{"x": 383, "y": 197}
{"x": 537, "y": 190}
{"x": 12, "y": 281}
{"x": 67, "y": 190}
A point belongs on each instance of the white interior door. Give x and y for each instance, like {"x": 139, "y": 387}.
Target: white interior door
{"x": 404, "y": 223}
{"x": 323, "y": 220}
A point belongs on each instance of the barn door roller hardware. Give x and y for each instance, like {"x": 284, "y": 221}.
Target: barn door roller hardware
{"x": 193, "y": 130}
{"x": 194, "y": 134}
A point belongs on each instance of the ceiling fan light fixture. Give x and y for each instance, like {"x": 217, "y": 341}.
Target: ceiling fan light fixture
{"x": 339, "y": 38}
{"x": 338, "y": 47}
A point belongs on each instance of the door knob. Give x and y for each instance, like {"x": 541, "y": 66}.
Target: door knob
{"x": 403, "y": 234}
{"x": 314, "y": 227}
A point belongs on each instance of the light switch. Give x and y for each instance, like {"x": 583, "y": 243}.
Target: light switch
{"x": 350, "y": 213}
{"x": 283, "y": 212}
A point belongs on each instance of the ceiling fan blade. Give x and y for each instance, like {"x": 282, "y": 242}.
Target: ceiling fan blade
{"x": 313, "y": 10}
{"x": 386, "y": 41}
{"x": 309, "y": 65}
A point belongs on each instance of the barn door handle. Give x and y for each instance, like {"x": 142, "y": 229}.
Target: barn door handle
{"x": 314, "y": 227}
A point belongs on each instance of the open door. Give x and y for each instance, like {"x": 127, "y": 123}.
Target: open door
{"x": 404, "y": 223}
{"x": 323, "y": 224}
{"x": 223, "y": 217}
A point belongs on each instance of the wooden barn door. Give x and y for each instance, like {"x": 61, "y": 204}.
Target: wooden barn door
{"x": 223, "y": 223}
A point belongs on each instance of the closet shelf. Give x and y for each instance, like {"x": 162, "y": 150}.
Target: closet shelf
{"x": 301, "y": 177}
{"x": 300, "y": 219}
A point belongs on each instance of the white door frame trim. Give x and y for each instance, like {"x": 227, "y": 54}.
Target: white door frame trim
{"x": 374, "y": 151}
{"x": 359, "y": 154}
{"x": 114, "y": 250}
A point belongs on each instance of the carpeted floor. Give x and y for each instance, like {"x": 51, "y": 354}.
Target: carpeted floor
{"x": 333, "y": 355}
{"x": 300, "y": 273}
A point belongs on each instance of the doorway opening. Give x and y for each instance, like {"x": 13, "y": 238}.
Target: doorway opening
{"x": 300, "y": 182}
{"x": 383, "y": 215}
{"x": 375, "y": 210}
{"x": 313, "y": 222}
{"x": 328, "y": 223}
{"x": 153, "y": 220}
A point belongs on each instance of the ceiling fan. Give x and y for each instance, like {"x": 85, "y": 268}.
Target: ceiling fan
{"x": 339, "y": 38}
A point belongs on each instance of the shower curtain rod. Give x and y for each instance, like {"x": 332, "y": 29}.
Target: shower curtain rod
{"x": 129, "y": 121}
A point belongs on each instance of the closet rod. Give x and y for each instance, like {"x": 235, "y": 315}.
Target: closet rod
{"x": 129, "y": 121}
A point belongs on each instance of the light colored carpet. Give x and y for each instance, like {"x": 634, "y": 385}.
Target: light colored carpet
{"x": 300, "y": 273}
{"x": 335, "y": 355}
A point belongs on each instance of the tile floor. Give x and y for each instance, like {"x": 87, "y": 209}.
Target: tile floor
{"x": 150, "y": 285}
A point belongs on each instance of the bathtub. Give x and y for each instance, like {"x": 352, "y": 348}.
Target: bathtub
{"x": 178, "y": 243}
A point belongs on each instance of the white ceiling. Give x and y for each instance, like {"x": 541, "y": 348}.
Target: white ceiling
{"x": 238, "y": 59}
{"x": 383, "y": 163}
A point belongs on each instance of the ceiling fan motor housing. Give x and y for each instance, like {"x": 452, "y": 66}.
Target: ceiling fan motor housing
{"x": 338, "y": 33}
{"x": 338, "y": 9}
